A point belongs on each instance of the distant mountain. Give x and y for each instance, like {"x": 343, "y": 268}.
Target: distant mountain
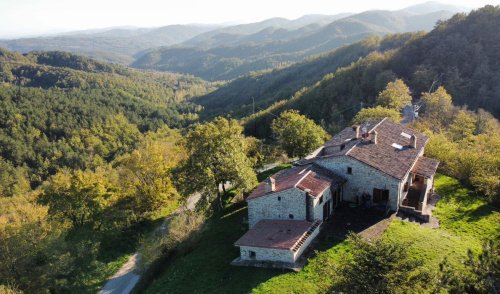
{"x": 238, "y": 54}
{"x": 236, "y": 34}
{"x": 460, "y": 54}
{"x": 117, "y": 45}
{"x": 432, "y": 6}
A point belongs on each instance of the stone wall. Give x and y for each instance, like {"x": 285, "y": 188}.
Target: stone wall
{"x": 292, "y": 202}
{"x": 318, "y": 208}
{"x": 267, "y": 254}
{"x": 363, "y": 179}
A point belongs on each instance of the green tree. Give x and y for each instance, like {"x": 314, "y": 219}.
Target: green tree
{"x": 367, "y": 115}
{"x": 13, "y": 181}
{"x": 463, "y": 126}
{"x": 396, "y": 95}
{"x": 297, "y": 135}
{"x": 216, "y": 155}
{"x": 482, "y": 273}
{"x": 379, "y": 266}
{"x": 438, "y": 108}
{"x": 146, "y": 173}
{"x": 79, "y": 197}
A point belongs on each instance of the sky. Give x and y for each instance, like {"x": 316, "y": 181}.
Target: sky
{"x": 34, "y": 17}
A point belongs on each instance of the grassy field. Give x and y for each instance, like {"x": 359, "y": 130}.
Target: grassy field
{"x": 466, "y": 220}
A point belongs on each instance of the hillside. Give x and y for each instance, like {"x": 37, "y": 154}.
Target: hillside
{"x": 239, "y": 34}
{"x": 118, "y": 45}
{"x": 236, "y": 98}
{"x": 459, "y": 54}
{"x": 49, "y": 99}
{"x": 225, "y": 56}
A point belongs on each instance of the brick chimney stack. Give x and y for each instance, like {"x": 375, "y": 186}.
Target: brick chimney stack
{"x": 413, "y": 141}
{"x": 270, "y": 185}
{"x": 356, "y": 128}
{"x": 374, "y": 135}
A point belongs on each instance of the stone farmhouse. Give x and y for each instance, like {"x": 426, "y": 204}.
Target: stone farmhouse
{"x": 380, "y": 165}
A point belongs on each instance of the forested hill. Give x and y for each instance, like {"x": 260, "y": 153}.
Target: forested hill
{"x": 228, "y": 56}
{"x": 113, "y": 45}
{"x": 460, "y": 54}
{"x": 237, "y": 97}
{"x": 59, "y": 109}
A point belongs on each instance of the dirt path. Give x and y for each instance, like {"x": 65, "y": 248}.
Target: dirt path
{"x": 125, "y": 279}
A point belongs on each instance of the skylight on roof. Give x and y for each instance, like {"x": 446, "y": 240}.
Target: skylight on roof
{"x": 397, "y": 146}
{"x": 407, "y": 136}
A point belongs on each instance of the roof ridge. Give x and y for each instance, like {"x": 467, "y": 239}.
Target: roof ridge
{"x": 378, "y": 124}
{"x": 301, "y": 179}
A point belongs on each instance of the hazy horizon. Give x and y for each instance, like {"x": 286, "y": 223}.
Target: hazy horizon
{"x": 43, "y": 17}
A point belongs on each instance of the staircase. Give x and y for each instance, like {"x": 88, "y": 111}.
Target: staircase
{"x": 306, "y": 235}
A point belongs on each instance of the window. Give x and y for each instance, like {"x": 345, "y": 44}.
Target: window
{"x": 380, "y": 195}
{"x": 342, "y": 147}
{"x": 406, "y": 187}
{"x": 290, "y": 216}
{"x": 321, "y": 199}
{"x": 252, "y": 254}
{"x": 279, "y": 198}
{"x": 349, "y": 170}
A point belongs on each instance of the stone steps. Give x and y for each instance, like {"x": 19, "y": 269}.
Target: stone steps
{"x": 304, "y": 237}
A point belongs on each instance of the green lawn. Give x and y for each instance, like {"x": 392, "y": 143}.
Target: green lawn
{"x": 466, "y": 220}
{"x": 206, "y": 269}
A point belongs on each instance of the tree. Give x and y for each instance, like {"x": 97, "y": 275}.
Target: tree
{"x": 482, "y": 273}
{"x": 146, "y": 174}
{"x": 297, "y": 134}
{"x": 13, "y": 181}
{"x": 463, "y": 126}
{"x": 79, "y": 197}
{"x": 367, "y": 115}
{"x": 395, "y": 96}
{"x": 216, "y": 155}
{"x": 380, "y": 266}
{"x": 438, "y": 108}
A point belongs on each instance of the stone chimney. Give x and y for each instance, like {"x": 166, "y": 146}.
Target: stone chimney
{"x": 413, "y": 141}
{"x": 355, "y": 128}
{"x": 374, "y": 136}
{"x": 270, "y": 185}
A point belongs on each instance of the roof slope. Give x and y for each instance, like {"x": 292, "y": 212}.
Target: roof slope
{"x": 392, "y": 154}
{"x": 384, "y": 156}
{"x": 425, "y": 166}
{"x": 277, "y": 234}
{"x": 311, "y": 178}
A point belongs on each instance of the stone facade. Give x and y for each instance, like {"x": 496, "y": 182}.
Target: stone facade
{"x": 318, "y": 207}
{"x": 273, "y": 254}
{"x": 362, "y": 179}
{"x": 282, "y": 205}
{"x": 267, "y": 254}
{"x": 279, "y": 205}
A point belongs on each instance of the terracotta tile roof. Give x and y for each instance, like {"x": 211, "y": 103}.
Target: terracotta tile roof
{"x": 425, "y": 166}
{"x": 307, "y": 177}
{"x": 384, "y": 155}
{"x": 277, "y": 234}
{"x": 314, "y": 183}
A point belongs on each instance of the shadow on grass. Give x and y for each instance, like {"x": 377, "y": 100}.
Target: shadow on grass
{"x": 466, "y": 204}
{"x": 206, "y": 268}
